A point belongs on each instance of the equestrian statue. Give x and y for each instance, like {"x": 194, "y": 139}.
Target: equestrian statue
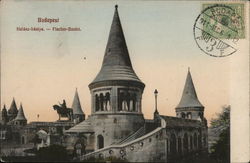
{"x": 63, "y": 111}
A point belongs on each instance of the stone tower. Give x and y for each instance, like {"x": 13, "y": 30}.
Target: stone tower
{"x": 20, "y": 118}
{"x": 78, "y": 115}
{"x": 4, "y": 115}
{"x": 116, "y": 92}
{"x": 12, "y": 112}
{"x": 189, "y": 106}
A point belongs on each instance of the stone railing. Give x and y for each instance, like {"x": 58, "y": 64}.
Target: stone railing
{"x": 125, "y": 149}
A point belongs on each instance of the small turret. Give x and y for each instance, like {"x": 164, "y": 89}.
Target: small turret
{"x": 12, "y": 112}
{"x": 4, "y": 115}
{"x": 116, "y": 91}
{"x": 20, "y": 118}
{"x": 78, "y": 115}
{"x": 189, "y": 106}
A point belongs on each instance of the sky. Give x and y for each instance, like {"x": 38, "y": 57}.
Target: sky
{"x": 41, "y": 69}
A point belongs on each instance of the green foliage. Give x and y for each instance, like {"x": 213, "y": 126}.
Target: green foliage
{"x": 222, "y": 121}
{"x": 53, "y": 153}
{"x": 220, "y": 151}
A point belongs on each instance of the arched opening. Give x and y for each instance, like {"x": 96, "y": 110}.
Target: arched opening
{"x": 199, "y": 141}
{"x": 97, "y": 103}
{"x": 183, "y": 115}
{"x": 189, "y": 115}
{"x": 173, "y": 149}
{"x": 185, "y": 142}
{"x": 128, "y": 106}
{"x": 204, "y": 141}
{"x": 134, "y": 102}
{"x": 100, "y": 141}
{"x": 107, "y": 101}
{"x": 195, "y": 140}
{"x": 179, "y": 146}
{"x": 201, "y": 115}
{"x": 191, "y": 142}
{"x": 23, "y": 140}
{"x": 121, "y": 98}
{"x": 101, "y": 102}
{"x": 167, "y": 147}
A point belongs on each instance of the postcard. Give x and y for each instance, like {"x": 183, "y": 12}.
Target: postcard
{"x": 124, "y": 81}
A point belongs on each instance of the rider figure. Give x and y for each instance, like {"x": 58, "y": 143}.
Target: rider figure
{"x": 63, "y": 105}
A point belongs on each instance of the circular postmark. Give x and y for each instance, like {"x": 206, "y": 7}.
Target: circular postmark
{"x": 217, "y": 30}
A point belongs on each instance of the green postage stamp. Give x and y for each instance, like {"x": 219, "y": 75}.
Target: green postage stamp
{"x": 219, "y": 27}
{"x": 224, "y": 21}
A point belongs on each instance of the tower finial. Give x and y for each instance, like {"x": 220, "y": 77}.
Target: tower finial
{"x": 189, "y": 69}
{"x": 116, "y": 6}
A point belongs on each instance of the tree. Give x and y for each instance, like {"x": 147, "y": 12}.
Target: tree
{"x": 220, "y": 150}
{"x": 53, "y": 153}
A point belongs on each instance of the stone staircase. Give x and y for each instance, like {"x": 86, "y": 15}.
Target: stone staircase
{"x": 140, "y": 132}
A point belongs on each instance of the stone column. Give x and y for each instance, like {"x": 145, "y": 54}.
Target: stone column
{"x": 114, "y": 99}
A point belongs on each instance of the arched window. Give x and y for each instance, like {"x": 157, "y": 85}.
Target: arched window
{"x": 191, "y": 142}
{"x": 121, "y": 98}
{"x": 100, "y": 141}
{"x": 179, "y": 146}
{"x": 126, "y": 102}
{"x": 23, "y": 140}
{"x": 185, "y": 142}
{"x": 101, "y": 102}
{"x": 204, "y": 140}
{"x": 107, "y": 101}
{"x": 201, "y": 115}
{"x": 195, "y": 140}
{"x": 199, "y": 141}
{"x": 183, "y": 115}
{"x": 173, "y": 144}
{"x": 134, "y": 102}
{"x": 97, "y": 103}
{"x": 189, "y": 115}
{"x": 168, "y": 146}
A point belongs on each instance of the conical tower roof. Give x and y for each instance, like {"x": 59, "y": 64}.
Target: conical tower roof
{"x": 20, "y": 114}
{"x": 13, "y": 108}
{"x": 116, "y": 62}
{"x": 76, "y": 106}
{"x": 4, "y": 110}
{"x": 189, "y": 97}
{"x": 3, "y": 113}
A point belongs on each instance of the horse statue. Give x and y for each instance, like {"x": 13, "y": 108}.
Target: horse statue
{"x": 63, "y": 111}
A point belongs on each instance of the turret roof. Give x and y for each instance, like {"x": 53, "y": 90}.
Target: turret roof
{"x": 4, "y": 108}
{"x": 76, "y": 106}
{"x": 116, "y": 62}
{"x": 20, "y": 114}
{"x": 13, "y": 108}
{"x": 189, "y": 97}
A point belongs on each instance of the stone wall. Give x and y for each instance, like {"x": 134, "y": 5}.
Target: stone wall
{"x": 150, "y": 147}
{"x": 115, "y": 127}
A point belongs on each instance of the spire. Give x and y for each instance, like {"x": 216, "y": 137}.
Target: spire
{"x": 189, "y": 97}
{"x": 116, "y": 63}
{"x": 13, "y": 107}
{"x": 4, "y": 107}
{"x": 20, "y": 114}
{"x": 4, "y": 110}
{"x": 116, "y": 52}
{"x": 76, "y": 106}
{"x": 3, "y": 114}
